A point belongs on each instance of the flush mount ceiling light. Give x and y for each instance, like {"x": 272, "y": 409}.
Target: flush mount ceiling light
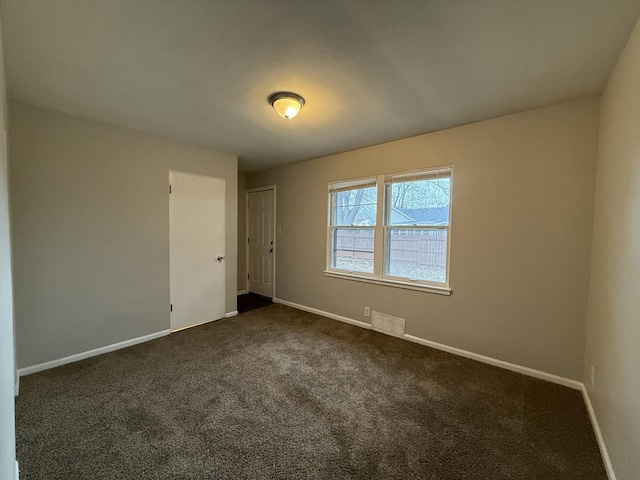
{"x": 286, "y": 104}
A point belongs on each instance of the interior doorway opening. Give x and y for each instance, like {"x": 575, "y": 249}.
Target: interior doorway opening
{"x": 261, "y": 241}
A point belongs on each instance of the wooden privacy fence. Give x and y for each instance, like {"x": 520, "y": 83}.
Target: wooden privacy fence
{"x": 415, "y": 247}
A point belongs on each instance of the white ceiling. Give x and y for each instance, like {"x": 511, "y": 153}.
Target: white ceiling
{"x": 370, "y": 70}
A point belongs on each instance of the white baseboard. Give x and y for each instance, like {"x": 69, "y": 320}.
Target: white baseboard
{"x": 322, "y": 313}
{"x": 91, "y": 353}
{"x": 17, "y": 471}
{"x": 231, "y": 314}
{"x": 439, "y": 346}
{"x": 549, "y": 377}
{"x": 241, "y": 292}
{"x": 16, "y": 387}
{"x": 596, "y": 427}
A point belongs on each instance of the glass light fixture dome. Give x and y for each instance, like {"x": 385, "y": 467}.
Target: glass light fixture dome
{"x": 286, "y": 104}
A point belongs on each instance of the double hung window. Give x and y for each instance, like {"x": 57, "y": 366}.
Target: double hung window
{"x": 392, "y": 229}
{"x": 354, "y": 207}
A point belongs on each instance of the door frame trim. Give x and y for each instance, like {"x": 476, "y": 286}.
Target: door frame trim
{"x": 246, "y": 230}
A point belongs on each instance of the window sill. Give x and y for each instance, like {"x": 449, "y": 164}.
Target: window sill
{"x": 390, "y": 283}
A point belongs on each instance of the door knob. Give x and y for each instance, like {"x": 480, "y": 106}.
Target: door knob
{"x": 220, "y": 258}
{"x": 271, "y": 250}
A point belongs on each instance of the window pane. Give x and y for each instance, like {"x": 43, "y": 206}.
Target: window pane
{"x": 420, "y": 202}
{"x": 355, "y": 207}
{"x": 418, "y": 254}
{"x": 353, "y": 249}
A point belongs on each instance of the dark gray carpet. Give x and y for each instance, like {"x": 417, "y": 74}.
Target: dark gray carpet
{"x": 276, "y": 393}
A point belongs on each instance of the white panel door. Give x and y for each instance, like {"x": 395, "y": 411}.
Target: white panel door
{"x": 197, "y": 248}
{"x": 261, "y": 242}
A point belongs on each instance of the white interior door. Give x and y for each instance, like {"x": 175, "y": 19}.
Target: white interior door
{"x": 196, "y": 249}
{"x": 261, "y": 254}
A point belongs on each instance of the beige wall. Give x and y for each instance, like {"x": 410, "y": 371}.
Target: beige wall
{"x": 613, "y": 328}
{"x": 7, "y": 363}
{"x": 91, "y": 230}
{"x": 523, "y": 193}
{"x": 242, "y": 233}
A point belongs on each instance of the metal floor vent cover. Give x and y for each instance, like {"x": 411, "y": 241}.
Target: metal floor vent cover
{"x": 388, "y": 324}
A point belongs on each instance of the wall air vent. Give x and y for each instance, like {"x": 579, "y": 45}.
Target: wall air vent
{"x": 381, "y": 322}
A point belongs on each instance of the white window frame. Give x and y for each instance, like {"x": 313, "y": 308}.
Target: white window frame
{"x": 335, "y": 187}
{"x": 382, "y": 230}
